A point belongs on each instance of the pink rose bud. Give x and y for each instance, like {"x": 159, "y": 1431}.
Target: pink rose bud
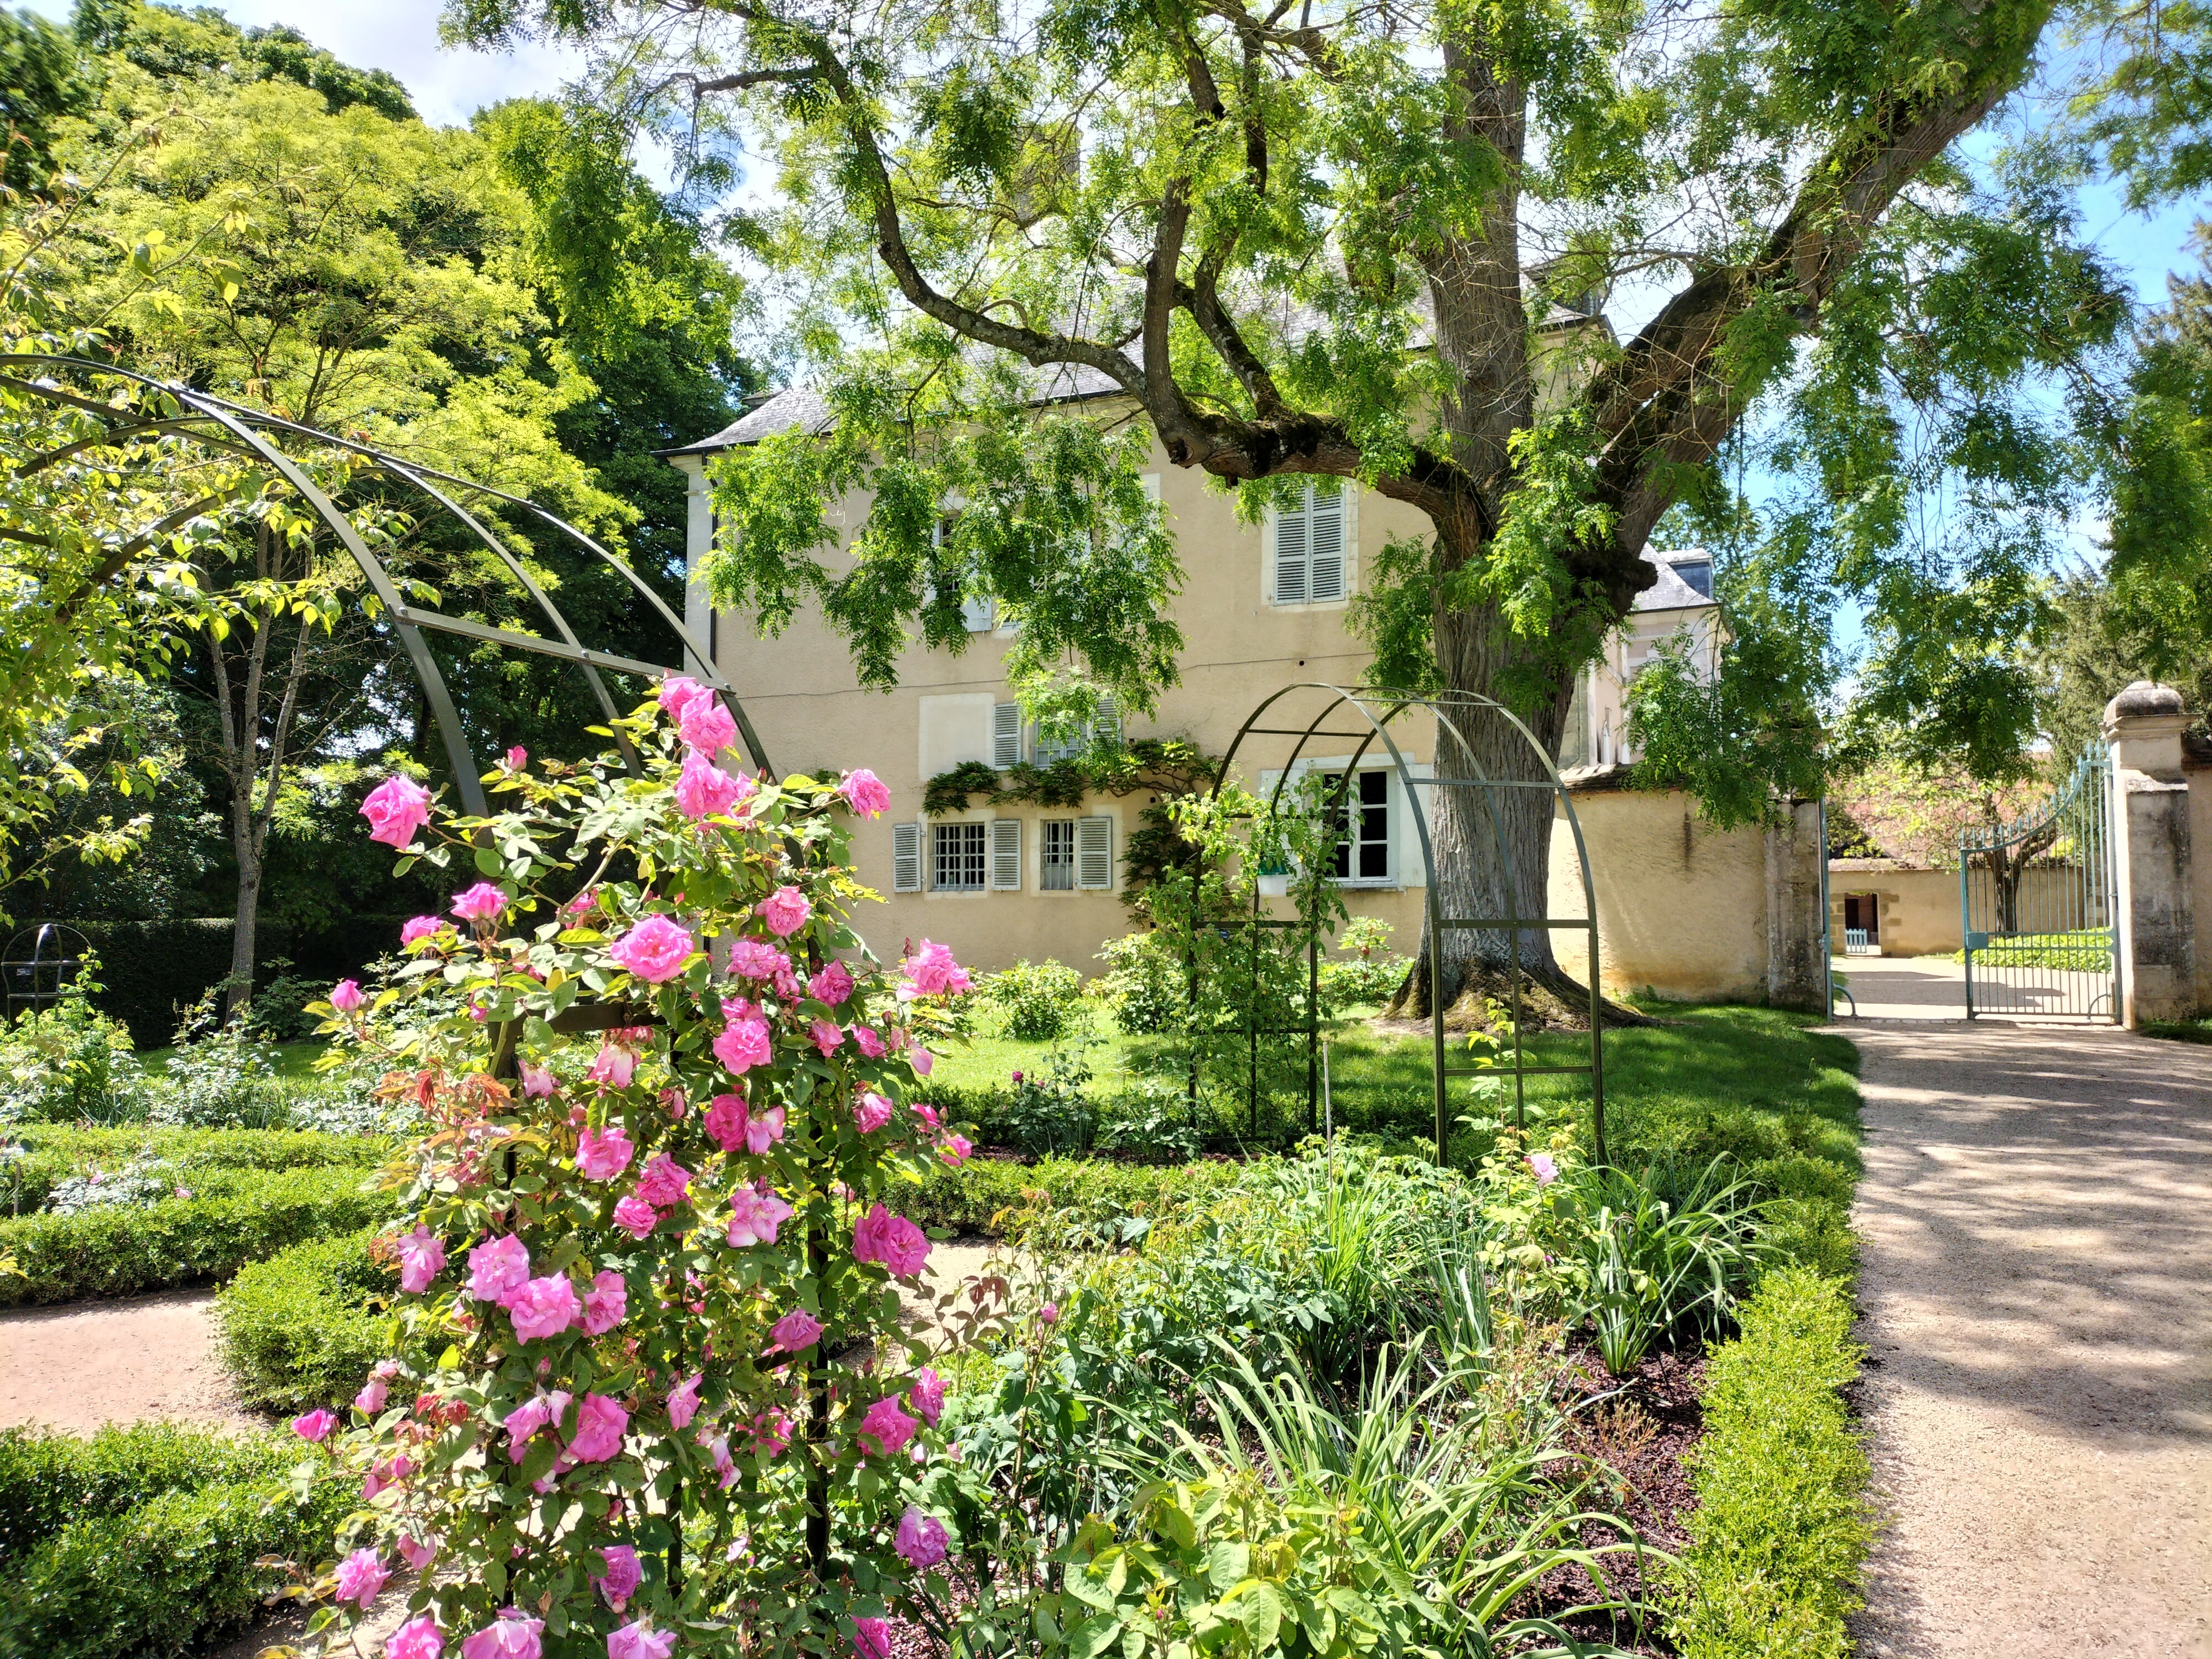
{"x": 537, "y": 1079}
{"x": 1049, "y": 1314}
{"x": 517, "y": 758}
{"x": 346, "y": 996}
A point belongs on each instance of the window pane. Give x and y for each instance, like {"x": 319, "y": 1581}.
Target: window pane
{"x": 1058, "y": 872}
{"x": 958, "y": 862}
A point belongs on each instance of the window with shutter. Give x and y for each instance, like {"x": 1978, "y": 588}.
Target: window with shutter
{"x": 1006, "y": 854}
{"x": 1094, "y": 853}
{"x": 981, "y": 615}
{"x": 1005, "y": 735}
{"x": 958, "y": 857}
{"x": 1312, "y": 546}
{"x": 906, "y": 857}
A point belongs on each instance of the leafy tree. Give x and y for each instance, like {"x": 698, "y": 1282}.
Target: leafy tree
{"x": 1329, "y": 243}
{"x": 38, "y": 85}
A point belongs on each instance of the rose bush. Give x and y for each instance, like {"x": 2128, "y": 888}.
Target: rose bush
{"x": 650, "y": 1236}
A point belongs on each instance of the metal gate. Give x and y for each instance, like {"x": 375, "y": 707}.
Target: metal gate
{"x": 2037, "y": 899}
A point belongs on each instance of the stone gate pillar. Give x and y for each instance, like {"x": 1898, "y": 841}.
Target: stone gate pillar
{"x": 2156, "y": 922}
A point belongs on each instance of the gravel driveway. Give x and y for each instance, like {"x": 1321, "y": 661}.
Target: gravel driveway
{"x": 2037, "y": 1289}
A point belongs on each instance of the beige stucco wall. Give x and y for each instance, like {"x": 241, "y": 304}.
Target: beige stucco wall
{"x": 1919, "y": 909}
{"x": 2199, "y": 777}
{"x": 1682, "y": 907}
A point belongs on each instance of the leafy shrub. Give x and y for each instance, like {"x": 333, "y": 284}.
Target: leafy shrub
{"x": 49, "y": 1154}
{"x": 220, "y": 1076}
{"x": 302, "y": 1328}
{"x": 1043, "y": 1000}
{"x": 1151, "y": 1120}
{"x": 989, "y": 1196}
{"x": 233, "y": 1217}
{"x": 278, "y": 1012}
{"x": 68, "y": 1063}
{"x": 1047, "y": 1110}
{"x": 1662, "y": 1254}
{"x": 1366, "y": 972}
{"x": 1782, "y": 1526}
{"x": 1147, "y": 986}
{"x": 145, "y": 1540}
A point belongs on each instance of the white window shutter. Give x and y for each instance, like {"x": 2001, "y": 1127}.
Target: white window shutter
{"x": 1324, "y": 544}
{"x": 906, "y": 857}
{"x": 1107, "y": 728}
{"x": 1005, "y": 735}
{"x": 1006, "y": 854}
{"x": 981, "y": 615}
{"x": 1290, "y": 556}
{"x": 1094, "y": 853}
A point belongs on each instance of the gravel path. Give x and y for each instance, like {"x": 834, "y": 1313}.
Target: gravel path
{"x": 2038, "y": 1297}
{"x": 84, "y": 1364}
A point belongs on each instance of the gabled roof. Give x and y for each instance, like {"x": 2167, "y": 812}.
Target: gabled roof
{"x": 1670, "y": 592}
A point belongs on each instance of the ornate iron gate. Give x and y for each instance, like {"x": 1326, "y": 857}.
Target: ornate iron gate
{"x": 2038, "y": 899}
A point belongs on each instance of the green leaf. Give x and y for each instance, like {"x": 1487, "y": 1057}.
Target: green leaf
{"x": 1261, "y": 1612}
{"x": 1227, "y": 1564}
{"x": 488, "y": 862}
{"x": 1093, "y": 1637}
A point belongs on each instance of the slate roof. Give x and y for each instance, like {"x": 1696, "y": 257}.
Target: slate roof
{"x": 1671, "y": 591}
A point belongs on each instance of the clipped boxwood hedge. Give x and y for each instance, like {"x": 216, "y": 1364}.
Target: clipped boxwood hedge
{"x": 1780, "y": 1534}
{"x": 984, "y": 1194}
{"x": 302, "y": 1328}
{"x": 232, "y": 1218}
{"x": 143, "y": 1540}
{"x": 55, "y": 1151}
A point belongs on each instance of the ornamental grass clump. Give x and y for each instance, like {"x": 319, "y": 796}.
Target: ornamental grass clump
{"x": 649, "y": 1393}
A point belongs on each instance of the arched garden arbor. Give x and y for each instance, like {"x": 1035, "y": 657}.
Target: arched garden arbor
{"x": 1316, "y": 712}
{"x": 163, "y": 441}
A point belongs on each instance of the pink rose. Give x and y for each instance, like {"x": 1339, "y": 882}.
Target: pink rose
{"x": 665, "y": 1182}
{"x": 622, "y": 1577}
{"x": 756, "y": 958}
{"x": 655, "y": 949}
{"x": 871, "y": 1639}
{"x": 346, "y": 996}
{"x": 420, "y": 927}
{"x": 396, "y": 809}
{"x": 755, "y": 1217}
{"x": 599, "y": 1425}
{"x": 417, "y": 1553}
{"x": 635, "y": 1217}
{"x": 831, "y": 985}
{"x": 704, "y": 790}
{"x": 315, "y": 1426}
{"x": 772, "y": 1433}
{"x": 785, "y": 911}
{"x": 1049, "y": 1314}
{"x": 613, "y": 1066}
{"x": 417, "y": 1639}
{"x": 370, "y": 1400}
{"x": 539, "y": 1412}
{"x": 510, "y": 1635}
{"x": 921, "y": 1539}
{"x": 517, "y": 758}
{"x": 888, "y": 1426}
{"x": 537, "y": 1081}
{"x": 635, "y": 1641}
{"x": 872, "y": 1111}
{"x": 743, "y": 1045}
{"x": 795, "y": 1333}
{"x": 926, "y": 1112}
{"x": 932, "y": 971}
{"x": 361, "y": 1576}
{"x": 927, "y": 1396}
{"x": 543, "y": 1307}
{"x": 684, "y": 1404}
{"x": 892, "y": 1240}
{"x": 827, "y": 1035}
{"x": 482, "y": 902}
{"x": 498, "y": 1267}
{"x": 865, "y": 793}
{"x": 868, "y": 1043}
{"x": 603, "y": 1154}
{"x": 707, "y": 726}
{"x": 384, "y": 1476}
{"x": 679, "y": 692}
{"x": 956, "y": 1150}
{"x": 1546, "y": 1169}
{"x": 922, "y": 1060}
{"x": 605, "y": 1303}
{"x": 422, "y": 1259}
{"x": 726, "y": 1122}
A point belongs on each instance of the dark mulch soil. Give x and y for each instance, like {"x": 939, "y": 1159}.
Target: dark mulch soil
{"x": 1640, "y": 1427}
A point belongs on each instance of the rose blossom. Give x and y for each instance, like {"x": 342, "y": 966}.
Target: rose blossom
{"x": 743, "y": 1045}
{"x": 370, "y": 1400}
{"x": 932, "y": 971}
{"x": 1546, "y": 1169}
{"x": 871, "y": 1639}
{"x": 872, "y": 1111}
{"x": 517, "y": 758}
{"x": 927, "y": 1395}
{"x": 772, "y": 1433}
{"x": 537, "y": 1079}
{"x": 543, "y": 1307}
{"x": 679, "y": 692}
{"x": 346, "y": 997}
{"x": 418, "y": 1638}
{"x": 422, "y": 1259}
{"x": 922, "y": 1060}
{"x": 635, "y": 1217}
{"x": 1049, "y": 1314}
{"x": 684, "y": 1403}
{"x": 498, "y": 1267}
{"x": 827, "y": 1035}
{"x": 360, "y": 1575}
{"x": 888, "y": 1426}
{"x": 785, "y": 911}
{"x": 921, "y": 1539}
{"x": 665, "y": 1182}
{"x": 534, "y": 1413}
{"x": 635, "y": 1641}
{"x": 926, "y": 1112}
{"x": 865, "y": 793}
{"x": 956, "y": 1150}
{"x": 599, "y": 1425}
{"x": 620, "y": 1579}
{"x": 388, "y": 1473}
{"x": 756, "y": 958}
{"x": 482, "y": 902}
{"x": 605, "y": 1303}
{"x": 704, "y": 790}
{"x": 796, "y": 1332}
{"x": 706, "y": 726}
{"x": 754, "y": 1216}
{"x": 655, "y": 949}
{"x": 315, "y": 1425}
{"x": 613, "y": 1066}
{"x": 603, "y": 1154}
{"x": 395, "y": 810}
{"x": 510, "y": 1635}
{"x": 831, "y": 984}
{"x": 419, "y": 1552}
{"x": 892, "y": 1240}
{"x": 864, "y": 1038}
{"x": 419, "y": 927}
